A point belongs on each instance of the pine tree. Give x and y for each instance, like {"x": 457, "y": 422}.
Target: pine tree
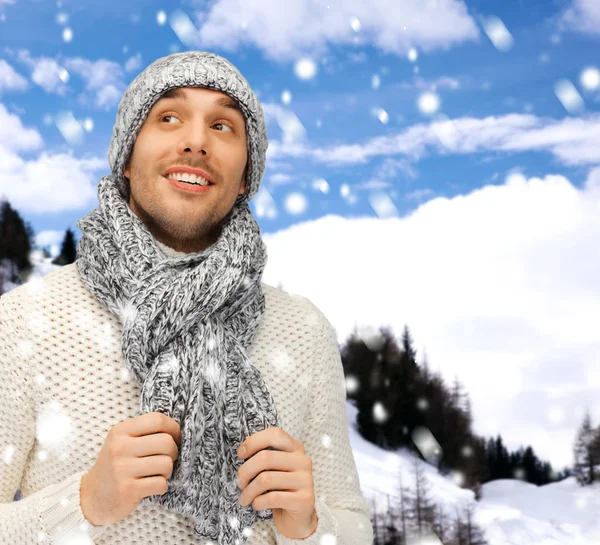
{"x": 423, "y": 506}
{"x": 477, "y": 464}
{"x": 68, "y": 251}
{"x": 472, "y": 533}
{"x": 458, "y": 394}
{"x": 16, "y": 241}
{"x": 408, "y": 387}
{"x": 441, "y": 523}
{"x": 404, "y": 512}
{"x": 460, "y": 529}
{"x": 362, "y": 366}
{"x": 595, "y": 447}
{"x": 584, "y": 454}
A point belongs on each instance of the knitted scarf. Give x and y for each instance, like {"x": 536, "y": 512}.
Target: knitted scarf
{"x": 188, "y": 324}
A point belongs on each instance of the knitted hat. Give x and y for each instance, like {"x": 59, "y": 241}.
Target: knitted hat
{"x": 187, "y": 69}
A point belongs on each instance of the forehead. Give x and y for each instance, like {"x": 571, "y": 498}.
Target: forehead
{"x": 216, "y": 99}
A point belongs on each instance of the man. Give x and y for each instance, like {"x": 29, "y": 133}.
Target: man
{"x": 163, "y": 356}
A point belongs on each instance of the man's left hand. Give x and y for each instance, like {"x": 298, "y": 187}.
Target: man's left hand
{"x": 291, "y": 488}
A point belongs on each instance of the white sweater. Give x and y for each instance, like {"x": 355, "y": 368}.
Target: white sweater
{"x": 63, "y": 385}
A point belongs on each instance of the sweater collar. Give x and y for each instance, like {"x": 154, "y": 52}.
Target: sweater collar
{"x": 168, "y": 251}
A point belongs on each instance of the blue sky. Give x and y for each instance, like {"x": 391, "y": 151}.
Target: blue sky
{"x": 369, "y": 75}
{"x": 476, "y": 222}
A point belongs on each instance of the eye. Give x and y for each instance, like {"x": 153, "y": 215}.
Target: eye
{"x": 164, "y": 116}
{"x": 224, "y": 125}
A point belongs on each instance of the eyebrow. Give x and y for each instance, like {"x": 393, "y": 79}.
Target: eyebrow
{"x": 224, "y": 102}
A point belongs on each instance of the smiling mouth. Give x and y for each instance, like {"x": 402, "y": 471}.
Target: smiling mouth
{"x": 187, "y": 186}
{"x": 184, "y": 182}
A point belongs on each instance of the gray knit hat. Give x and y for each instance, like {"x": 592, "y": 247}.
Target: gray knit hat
{"x": 187, "y": 69}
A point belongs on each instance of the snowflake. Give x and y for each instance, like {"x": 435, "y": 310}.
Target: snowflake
{"x": 380, "y": 414}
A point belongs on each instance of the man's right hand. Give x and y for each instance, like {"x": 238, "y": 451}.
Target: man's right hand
{"x": 135, "y": 462}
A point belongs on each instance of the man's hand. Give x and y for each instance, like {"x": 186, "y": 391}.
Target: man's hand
{"x": 135, "y": 461}
{"x": 291, "y": 489}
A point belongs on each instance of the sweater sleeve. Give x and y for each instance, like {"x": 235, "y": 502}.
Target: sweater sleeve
{"x": 52, "y": 514}
{"x": 342, "y": 510}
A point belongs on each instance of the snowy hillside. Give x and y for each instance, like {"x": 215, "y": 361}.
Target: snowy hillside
{"x": 41, "y": 267}
{"x": 510, "y": 512}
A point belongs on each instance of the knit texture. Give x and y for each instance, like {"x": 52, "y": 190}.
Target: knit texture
{"x": 187, "y": 325}
{"x": 188, "y": 69}
{"x": 60, "y": 356}
{"x": 188, "y": 322}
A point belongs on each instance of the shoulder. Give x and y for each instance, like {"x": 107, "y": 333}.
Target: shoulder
{"x": 295, "y": 310}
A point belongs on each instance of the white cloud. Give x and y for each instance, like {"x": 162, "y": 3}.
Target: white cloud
{"x": 48, "y": 183}
{"x": 420, "y": 194}
{"x": 10, "y": 79}
{"x": 286, "y": 30}
{"x": 134, "y": 64}
{"x": 104, "y": 79}
{"x": 46, "y": 73}
{"x": 582, "y": 15}
{"x": 439, "y": 83}
{"x": 14, "y": 136}
{"x": 280, "y": 178}
{"x": 571, "y": 140}
{"x": 502, "y": 289}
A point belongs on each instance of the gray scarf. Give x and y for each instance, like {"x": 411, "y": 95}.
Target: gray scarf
{"x": 188, "y": 322}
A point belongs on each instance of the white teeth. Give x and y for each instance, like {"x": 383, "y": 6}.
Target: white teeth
{"x": 189, "y": 178}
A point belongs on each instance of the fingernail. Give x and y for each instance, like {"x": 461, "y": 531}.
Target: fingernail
{"x": 242, "y": 451}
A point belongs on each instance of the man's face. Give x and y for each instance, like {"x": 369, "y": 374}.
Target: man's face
{"x": 188, "y": 129}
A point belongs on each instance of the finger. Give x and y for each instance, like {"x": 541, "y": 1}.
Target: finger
{"x": 158, "y": 443}
{"x": 292, "y": 501}
{"x": 271, "y": 481}
{"x": 266, "y": 460}
{"x": 150, "y": 423}
{"x": 270, "y": 437}
{"x": 151, "y": 466}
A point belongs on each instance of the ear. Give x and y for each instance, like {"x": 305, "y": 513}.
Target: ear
{"x": 126, "y": 171}
{"x": 243, "y": 186}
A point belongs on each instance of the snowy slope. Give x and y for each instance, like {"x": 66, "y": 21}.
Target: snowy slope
{"x": 41, "y": 267}
{"x": 510, "y": 512}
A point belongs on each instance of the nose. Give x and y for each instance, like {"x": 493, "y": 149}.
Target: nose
{"x": 195, "y": 138}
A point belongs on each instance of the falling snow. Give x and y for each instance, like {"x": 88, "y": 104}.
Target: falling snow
{"x": 354, "y": 24}
{"x": 286, "y": 97}
{"x": 296, "y": 203}
{"x": 305, "y": 69}
{"x": 70, "y": 128}
{"x": 498, "y": 34}
{"x": 569, "y": 96}
{"x": 320, "y": 184}
{"x": 183, "y": 27}
{"x": 429, "y": 103}
{"x": 383, "y": 205}
{"x": 427, "y": 444}
{"x": 382, "y": 115}
{"x": 590, "y": 78}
